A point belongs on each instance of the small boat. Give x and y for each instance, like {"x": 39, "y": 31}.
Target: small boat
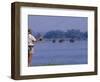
{"x": 72, "y": 40}
{"x": 61, "y": 40}
{"x": 53, "y": 41}
{"x": 40, "y": 39}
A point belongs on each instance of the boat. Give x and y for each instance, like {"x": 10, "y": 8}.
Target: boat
{"x": 72, "y": 40}
{"x": 61, "y": 40}
{"x": 53, "y": 41}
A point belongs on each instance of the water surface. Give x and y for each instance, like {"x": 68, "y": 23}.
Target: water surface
{"x": 65, "y": 53}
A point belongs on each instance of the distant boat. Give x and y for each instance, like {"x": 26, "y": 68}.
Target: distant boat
{"x": 61, "y": 40}
{"x": 40, "y": 39}
{"x": 53, "y": 41}
{"x": 72, "y": 40}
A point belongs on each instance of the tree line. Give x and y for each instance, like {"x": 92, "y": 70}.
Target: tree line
{"x": 73, "y": 34}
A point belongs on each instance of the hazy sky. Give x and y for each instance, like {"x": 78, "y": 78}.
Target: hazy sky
{"x": 47, "y": 23}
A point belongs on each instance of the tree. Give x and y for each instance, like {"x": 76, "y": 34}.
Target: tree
{"x": 58, "y": 34}
{"x": 54, "y": 34}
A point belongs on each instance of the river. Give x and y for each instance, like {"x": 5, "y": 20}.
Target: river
{"x": 65, "y": 53}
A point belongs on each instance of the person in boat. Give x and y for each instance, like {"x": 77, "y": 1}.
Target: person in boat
{"x": 31, "y": 43}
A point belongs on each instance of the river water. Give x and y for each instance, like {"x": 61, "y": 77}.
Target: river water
{"x": 65, "y": 53}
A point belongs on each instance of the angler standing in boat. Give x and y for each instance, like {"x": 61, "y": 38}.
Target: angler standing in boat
{"x": 31, "y": 43}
